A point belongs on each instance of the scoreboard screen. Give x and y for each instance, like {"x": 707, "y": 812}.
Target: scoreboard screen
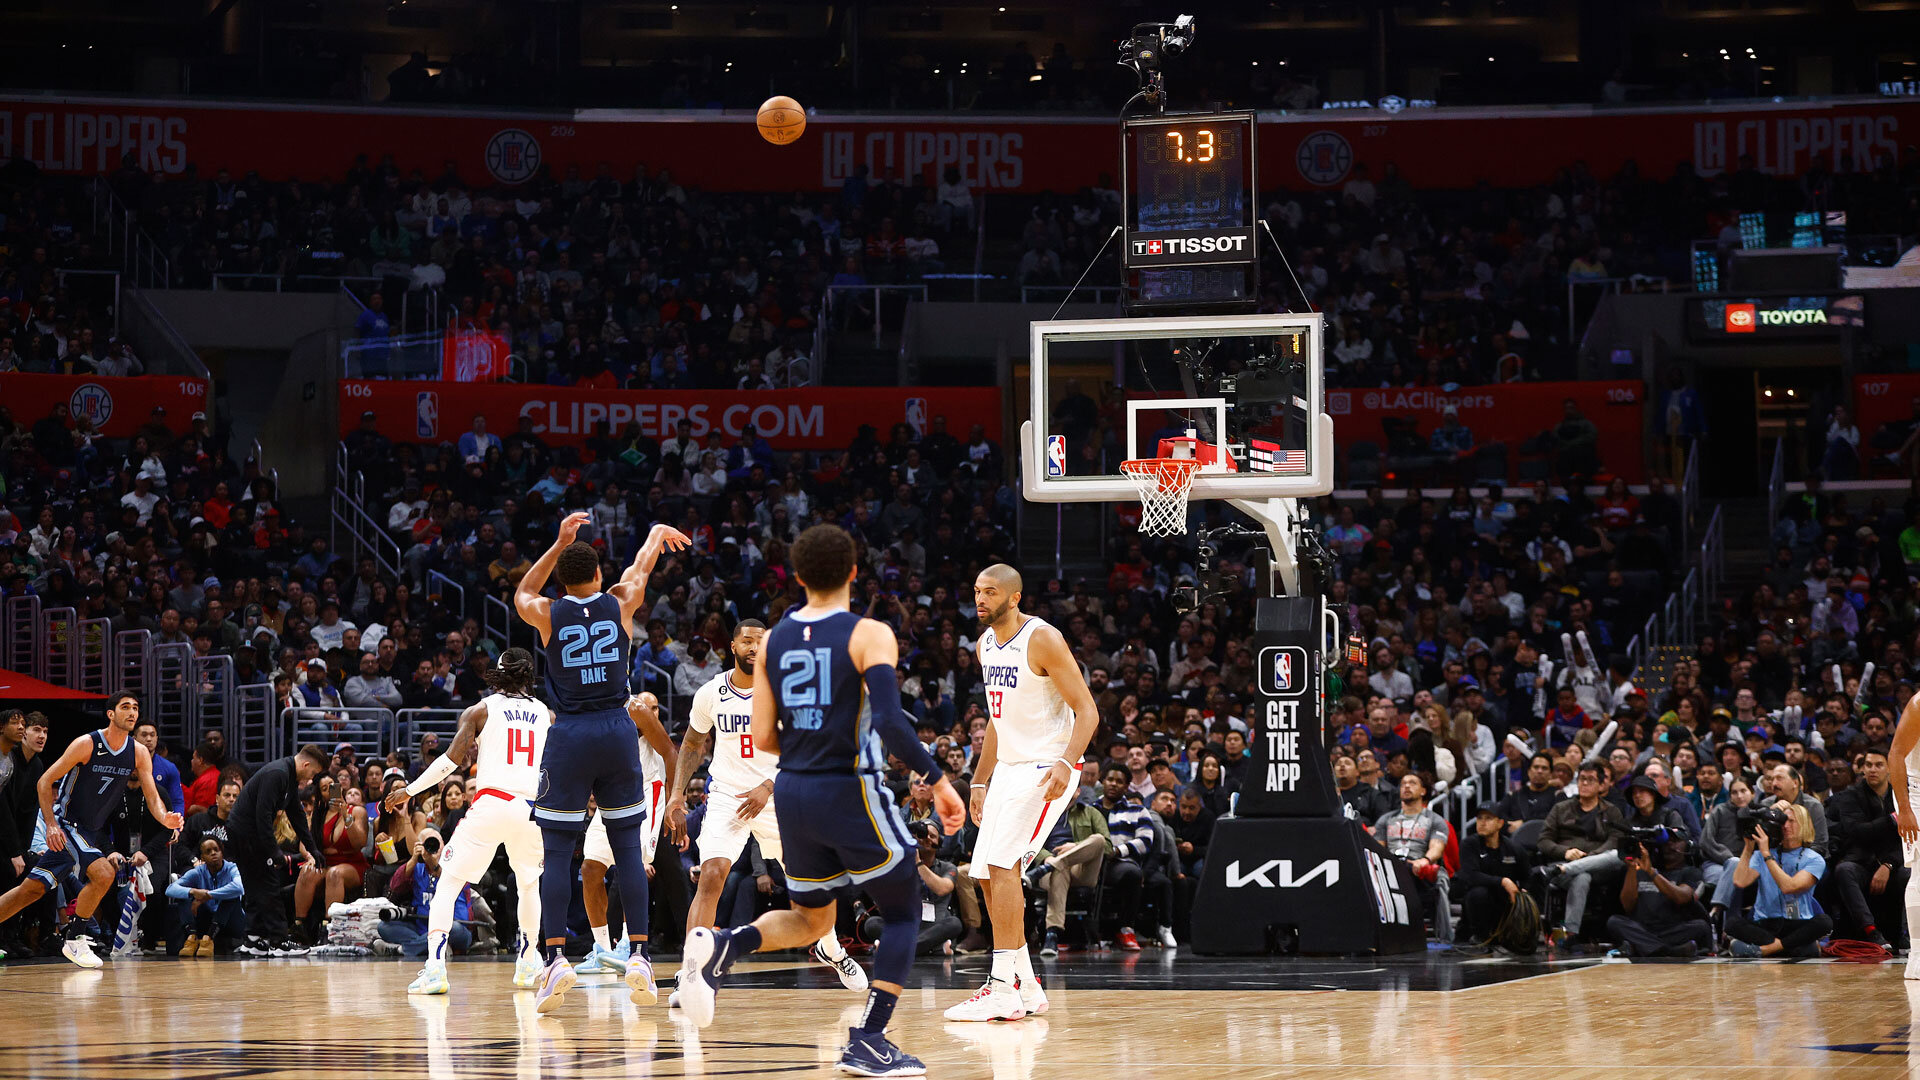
{"x": 1191, "y": 199}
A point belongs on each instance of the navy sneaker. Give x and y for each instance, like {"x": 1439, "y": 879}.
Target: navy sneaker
{"x": 872, "y": 1055}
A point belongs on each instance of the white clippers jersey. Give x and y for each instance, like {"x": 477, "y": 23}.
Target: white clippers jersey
{"x": 511, "y": 744}
{"x": 1031, "y": 721}
{"x": 727, "y": 711}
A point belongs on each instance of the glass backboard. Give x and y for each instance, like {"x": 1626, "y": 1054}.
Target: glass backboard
{"x": 1248, "y": 388}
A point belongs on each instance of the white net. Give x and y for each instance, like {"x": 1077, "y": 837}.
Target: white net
{"x": 1163, "y": 484}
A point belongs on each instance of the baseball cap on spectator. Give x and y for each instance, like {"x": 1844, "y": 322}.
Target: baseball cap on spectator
{"x": 199, "y": 416}
{"x": 1774, "y": 751}
{"x": 346, "y": 746}
{"x": 1468, "y": 682}
{"x": 1758, "y": 731}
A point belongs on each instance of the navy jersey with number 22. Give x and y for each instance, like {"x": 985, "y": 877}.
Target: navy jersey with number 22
{"x": 821, "y": 697}
{"x": 587, "y": 654}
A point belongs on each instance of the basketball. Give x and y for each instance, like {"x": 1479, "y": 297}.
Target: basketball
{"x": 781, "y": 120}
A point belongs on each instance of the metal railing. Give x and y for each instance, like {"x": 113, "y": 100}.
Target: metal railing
{"x": 413, "y": 723}
{"x": 912, "y": 292}
{"x": 437, "y": 585}
{"x": 347, "y": 510}
{"x": 1776, "y": 485}
{"x": 166, "y": 349}
{"x": 1689, "y": 495}
{"x": 171, "y": 699}
{"x": 253, "y": 707}
{"x": 369, "y": 731}
{"x": 95, "y": 668}
{"x": 59, "y": 651}
{"x": 315, "y": 283}
{"x": 496, "y": 619}
{"x": 1713, "y": 558}
{"x": 212, "y": 697}
{"x": 141, "y": 257}
{"x": 133, "y": 662}
{"x": 1579, "y": 287}
{"x": 23, "y": 635}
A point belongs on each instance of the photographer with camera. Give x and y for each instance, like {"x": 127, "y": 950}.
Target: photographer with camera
{"x": 412, "y": 888}
{"x": 1787, "y": 920}
{"x": 1788, "y": 785}
{"x": 939, "y": 926}
{"x": 1659, "y": 899}
{"x": 1579, "y": 843}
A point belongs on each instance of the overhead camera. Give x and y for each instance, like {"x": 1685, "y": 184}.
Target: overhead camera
{"x": 1142, "y": 54}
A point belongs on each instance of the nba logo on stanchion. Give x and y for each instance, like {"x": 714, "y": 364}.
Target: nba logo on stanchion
{"x": 917, "y": 416}
{"x": 1056, "y": 455}
{"x": 427, "y": 415}
{"x": 1283, "y": 670}
{"x": 1741, "y": 318}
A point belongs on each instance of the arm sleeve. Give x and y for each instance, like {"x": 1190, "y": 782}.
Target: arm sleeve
{"x": 441, "y": 768}
{"x": 883, "y": 703}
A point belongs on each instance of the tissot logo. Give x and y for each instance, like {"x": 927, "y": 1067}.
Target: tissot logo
{"x": 1192, "y": 245}
{"x": 1278, "y": 874}
{"x": 1740, "y": 318}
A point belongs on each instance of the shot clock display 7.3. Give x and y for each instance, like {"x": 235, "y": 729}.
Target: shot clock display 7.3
{"x": 1190, "y": 195}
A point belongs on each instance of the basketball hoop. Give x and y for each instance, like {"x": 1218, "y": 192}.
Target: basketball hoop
{"x": 1163, "y": 484}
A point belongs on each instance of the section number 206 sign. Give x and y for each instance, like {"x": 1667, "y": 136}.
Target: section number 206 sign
{"x": 1284, "y": 671}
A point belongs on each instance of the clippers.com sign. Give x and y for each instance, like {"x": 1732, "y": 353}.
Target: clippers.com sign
{"x": 815, "y": 419}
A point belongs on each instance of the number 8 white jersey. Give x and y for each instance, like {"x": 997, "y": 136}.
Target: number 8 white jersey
{"x": 511, "y": 743}
{"x": 1031, "y": 721}
{"x": 727, "y": 711}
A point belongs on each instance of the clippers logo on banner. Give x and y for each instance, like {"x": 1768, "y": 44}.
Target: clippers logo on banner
{"x": 91, "y": 402}
{"x": 1283, "y": 670}
{"x": 474, "y": 356}
{"x": 1741, "y": 318}
{"x": 1263, "y": 456}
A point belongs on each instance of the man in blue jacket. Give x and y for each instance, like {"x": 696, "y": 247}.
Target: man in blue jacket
{"x": 207, "y": 898}
{"x": 413, "y": 887}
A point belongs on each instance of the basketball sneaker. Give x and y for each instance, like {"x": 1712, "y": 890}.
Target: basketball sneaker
{"x": 431, "y": 980}
{"x": 852, "y": 975}
{"x": 1032, "y": 997}
{"x": 639, "y": 977}
{"x": 608, "y": 961}
{"x": 526, "y": 970}
{"x": 79, "y": 949}
{"x": 1050, "y": 947}
{"x": 995, "y": 1000}
{"x": 555, "y": 980}
{"x": 1126, "y": 940}
{"x": 704, "y": 961}
{"x": 870, "y": 1054}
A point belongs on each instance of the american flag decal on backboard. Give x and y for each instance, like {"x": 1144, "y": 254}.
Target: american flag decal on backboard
{"x": 1263, "y": 456}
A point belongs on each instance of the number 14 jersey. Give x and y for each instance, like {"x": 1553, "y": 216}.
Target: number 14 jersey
{"x": 511, "y": 743}
{"x": 727, "y": 711}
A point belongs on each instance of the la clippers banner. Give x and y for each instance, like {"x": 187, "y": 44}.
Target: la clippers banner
{"x": 118, "y": 407}
{"x": 1437, "y": 148}
{"x": 1879, "y": 400}
{"x": 814, "y": 419}
{"x": 1510, "y": 413}
{"x": 474, "y": 356}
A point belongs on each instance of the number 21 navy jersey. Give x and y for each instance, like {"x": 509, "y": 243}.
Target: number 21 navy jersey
{"x": 820, "y": 696}
{"x": 588, "y": 654}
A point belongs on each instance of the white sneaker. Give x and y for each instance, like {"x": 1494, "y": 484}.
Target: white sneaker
{"x": 1032, "y": 997}
{"x": 996, "y": 1000}
{"x": 526, "y": 971}
{"x": 1913, "y": 970}
{"x": 80, "y": 950}
{"x": 639, "y": 977}
{"x": 1167, "y": 939}
{"x": 555, "y": 980}
{"x": 852, "y": 975}
{"x": 431, "y": 980}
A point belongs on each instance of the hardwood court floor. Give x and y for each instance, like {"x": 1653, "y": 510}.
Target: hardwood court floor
{"x": 1112, "y": 1019}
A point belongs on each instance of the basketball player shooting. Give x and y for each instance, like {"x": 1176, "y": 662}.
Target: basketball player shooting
{"x": 510, "y": 729}
{"x": 657, "y": 756}
{"x": 1040, "y": 717}
{"x": 591, "y": 752}
{"x": 827, "y": 700}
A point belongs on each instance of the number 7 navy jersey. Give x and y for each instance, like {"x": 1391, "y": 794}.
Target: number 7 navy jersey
{"x": 588, "y": 654}
{"x": 820, "y": 698}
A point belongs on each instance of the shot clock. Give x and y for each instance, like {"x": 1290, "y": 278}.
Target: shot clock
{"x": 1190, "y": 209}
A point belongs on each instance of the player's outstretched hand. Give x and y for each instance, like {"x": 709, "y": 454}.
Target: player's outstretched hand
{"x": 948, "y": 807}
{"x": 397, "y": 800}
{"x": 571, "y": 527}
{"x": 671, "y": 538}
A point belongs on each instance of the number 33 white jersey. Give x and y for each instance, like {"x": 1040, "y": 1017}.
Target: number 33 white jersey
{"x": 511, "y": 743}
{"x": 727, "y": 711}
{"x": 1031, "y": 721}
